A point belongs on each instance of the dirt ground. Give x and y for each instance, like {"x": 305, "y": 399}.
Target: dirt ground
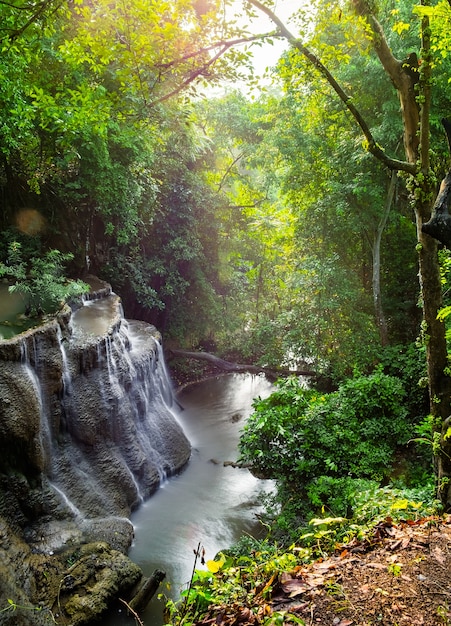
{"x": 399, "y": 577}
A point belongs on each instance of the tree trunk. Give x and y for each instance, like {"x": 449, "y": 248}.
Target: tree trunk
{"x": 228, "y": 366}
{"x": 407, "y": 80}
{"x": 146, "y": 591}
{"x": 376, "y": 249}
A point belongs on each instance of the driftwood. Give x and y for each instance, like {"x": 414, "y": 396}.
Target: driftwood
{"x": 237, "y": 464}
{"x": 146, "y": 591}
{"x": 228, "y": 366}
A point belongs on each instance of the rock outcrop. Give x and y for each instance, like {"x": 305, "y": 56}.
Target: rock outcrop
{"x": 87, "y": 432}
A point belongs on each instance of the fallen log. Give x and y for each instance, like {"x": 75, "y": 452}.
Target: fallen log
{"x": 146, "y": 591}
{"x": 228, "y": 366}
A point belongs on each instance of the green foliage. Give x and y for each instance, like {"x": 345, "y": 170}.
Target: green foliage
{"x": 408, "y": 364}
{"x": 40, "y": 280}
{"x": 245, "y": 573}
{"x": 13, "y": 606}
{"x": 231, "y": 580}
{"x": 299, "y": 436}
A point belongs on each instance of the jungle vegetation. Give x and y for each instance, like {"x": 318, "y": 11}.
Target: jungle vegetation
{"x": 282, "y": 222}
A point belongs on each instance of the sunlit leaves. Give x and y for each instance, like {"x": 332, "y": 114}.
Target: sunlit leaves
{"x": 440, "y": 20}
{"x": 151, "y": 50}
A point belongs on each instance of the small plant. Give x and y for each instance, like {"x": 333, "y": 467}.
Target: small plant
{"x": 444, "y": 614}
{"x": 234, "y": 585}
{"x": 12, "y": 606}
{"x": 395, "y": 569}
{"x": 40, "y": 280}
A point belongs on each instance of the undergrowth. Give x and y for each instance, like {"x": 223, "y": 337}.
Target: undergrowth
{"x": 240, "y": 580}
{"x": 331, "y": 468}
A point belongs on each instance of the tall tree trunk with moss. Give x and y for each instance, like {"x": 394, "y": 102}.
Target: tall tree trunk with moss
{"x": 413, "y": 84}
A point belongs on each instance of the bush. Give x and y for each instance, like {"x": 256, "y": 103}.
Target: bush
{"x": 298, "y": 437}
{"x": 408, "y": 364}
{"x": 40, "y": 280}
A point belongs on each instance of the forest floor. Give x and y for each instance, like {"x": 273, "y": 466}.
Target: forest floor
{"x": 399, "y": 577}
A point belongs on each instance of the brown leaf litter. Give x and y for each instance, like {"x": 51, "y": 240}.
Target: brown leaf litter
{"x": 399, "y": 576}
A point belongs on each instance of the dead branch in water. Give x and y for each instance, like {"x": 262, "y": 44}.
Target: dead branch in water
{"x": 228, "y": 366}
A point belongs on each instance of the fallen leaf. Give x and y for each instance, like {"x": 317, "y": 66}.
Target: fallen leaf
{"x": 244, "y": 615}
{"x": 294, "y": 587}
{"x": 381, "y": 591}
{"x": 395, "y": 544}
{"x": 376, "y": 565}
{"x": 438, "y": 555}
{"x": 405, "y": 542}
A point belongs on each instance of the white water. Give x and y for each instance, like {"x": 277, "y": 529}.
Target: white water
{"x": 207, "y": 503}
{"x": 70, "y": 505}
{"x": 29, "y": 363}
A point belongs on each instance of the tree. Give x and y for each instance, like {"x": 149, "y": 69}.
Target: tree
{"x": 256, "y": 234}
{"x": 412, "y": 82}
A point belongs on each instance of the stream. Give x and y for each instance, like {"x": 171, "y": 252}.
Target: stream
{"x": 207, "y": 503}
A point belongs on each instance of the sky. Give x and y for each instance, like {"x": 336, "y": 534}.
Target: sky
{"x": 267, "y": 55}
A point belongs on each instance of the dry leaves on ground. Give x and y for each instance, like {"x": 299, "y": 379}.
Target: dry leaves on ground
{"x": 400, "y": 576}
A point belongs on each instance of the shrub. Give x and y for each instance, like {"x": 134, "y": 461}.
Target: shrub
{"x": 298, "y": 437}
{"x": 40, "y": 280}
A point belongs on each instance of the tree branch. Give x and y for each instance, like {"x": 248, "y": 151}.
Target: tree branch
{"x": 229, "y": 169}
{"x": 373, "y": 147}
{"x": 403, "y": 76}
{"x": 229, "y": 43}
{"x": 36, "y": 15}
{"x": 225, "y": 45}
{"x": 228, "y": 366}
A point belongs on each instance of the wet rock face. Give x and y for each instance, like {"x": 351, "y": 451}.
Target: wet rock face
{"x": 86, "y": 433}
{"x": 73, "y": 587}
{"x": 20, "y": 422}
{"x": 97, "y": 574}
{"x": 85, "y": 407}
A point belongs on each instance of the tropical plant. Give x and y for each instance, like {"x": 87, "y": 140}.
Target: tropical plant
{"x": 40, "y": 280}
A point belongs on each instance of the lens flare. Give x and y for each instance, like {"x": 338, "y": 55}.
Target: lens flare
{"x": 30, "y": 221}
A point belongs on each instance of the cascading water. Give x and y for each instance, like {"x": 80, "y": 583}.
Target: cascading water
{"x": 88, "y": 408}
{"x": 87, "y": 433}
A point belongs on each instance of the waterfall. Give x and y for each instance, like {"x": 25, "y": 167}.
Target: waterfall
{"x": 92, "y": 410}
{"x": 70, "y": 505}
{"x": 66, "y": 376}
{"x": 30, "y": 364}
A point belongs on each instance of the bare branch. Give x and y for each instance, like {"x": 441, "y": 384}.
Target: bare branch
{"x": 229, "y": 169}
{"x": 229, "y": 44}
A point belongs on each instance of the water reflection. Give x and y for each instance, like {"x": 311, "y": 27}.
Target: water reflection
{"x": 207, "y": 503}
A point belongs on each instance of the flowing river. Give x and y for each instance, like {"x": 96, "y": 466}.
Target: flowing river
{"x": 207, "y": 503}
